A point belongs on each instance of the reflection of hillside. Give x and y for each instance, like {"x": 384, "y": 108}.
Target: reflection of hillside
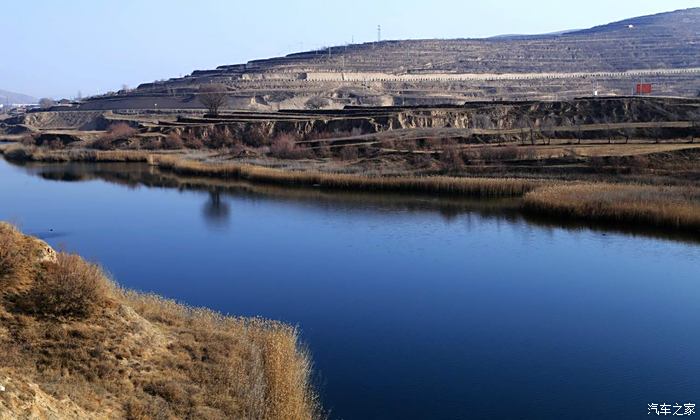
{"x": 216, "y": 210}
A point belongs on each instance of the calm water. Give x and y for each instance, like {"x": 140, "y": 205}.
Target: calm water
{"x": 413, "y": 308}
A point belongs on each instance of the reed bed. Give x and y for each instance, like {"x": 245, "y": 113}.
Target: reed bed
{"x": 646, "y": 205}
{"x": 473, "y": 187}
{"x": 23, "y": 153}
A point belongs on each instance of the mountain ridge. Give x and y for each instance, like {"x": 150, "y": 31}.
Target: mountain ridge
{"x": 8, "y": 97}
{"x": 662, "y": 49}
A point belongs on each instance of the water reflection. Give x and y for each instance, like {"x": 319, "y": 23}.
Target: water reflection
{"x": 412, "y": 306}
{"x": 216, "y": 211}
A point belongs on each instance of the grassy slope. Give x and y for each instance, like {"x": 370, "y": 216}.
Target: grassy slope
{"x": 77, "y": 346}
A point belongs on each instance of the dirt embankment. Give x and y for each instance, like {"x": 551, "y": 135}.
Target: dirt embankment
{"x": 502, "y": 121}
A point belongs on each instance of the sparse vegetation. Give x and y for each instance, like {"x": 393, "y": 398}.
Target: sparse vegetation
{"x": 285, "y": 147}
{"x": 69, "y": 288}
{"x": 118, "y": 132}
{"x": 81, "y": 345}
{"x": 173, "y": 141}
{"x": 46, "y": 102}
{"x": 213, "y": 96}
{"x": 451, "y": 159}
{"x": 316, "y": 102}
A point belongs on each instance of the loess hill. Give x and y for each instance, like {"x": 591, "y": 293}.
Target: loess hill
{"x": 662, "y": 49}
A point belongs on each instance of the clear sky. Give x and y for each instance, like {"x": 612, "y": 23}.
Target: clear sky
{"x": 57, "y": 48}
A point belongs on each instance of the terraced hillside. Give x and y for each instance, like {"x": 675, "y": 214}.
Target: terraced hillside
{"x": 661, "y": 49}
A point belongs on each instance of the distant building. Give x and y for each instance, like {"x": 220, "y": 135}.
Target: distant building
{"x": 643, "y": 89}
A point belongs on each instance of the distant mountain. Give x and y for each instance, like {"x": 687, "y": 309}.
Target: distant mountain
{"x": 661, "y": 49}
{"x": 7, "y": 97}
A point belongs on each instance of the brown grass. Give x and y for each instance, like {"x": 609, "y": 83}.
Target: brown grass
{"x": 285, "y": 147}
{"x": 646, "y": 205}
{"x": 69, "y": 288}
{"x": 475, "y": 187}
{"x": 23, "y": 153}
{"x": 88, "y": 349}
{"x": 117, "y": 132}
{"x": 15, "y": 253}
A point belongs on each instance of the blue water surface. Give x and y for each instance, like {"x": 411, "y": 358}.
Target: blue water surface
{"x": 408, "y": 312}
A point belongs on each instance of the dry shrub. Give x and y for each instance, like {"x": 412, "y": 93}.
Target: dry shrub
{"x": 255, "y": 136}
{"x": 527, "y": 153}
{"x": 496, "y": 153}
{"x": 451, "y": 159}
{"x": 597, "y": 162}
{"x": 173, "y": 141}
{"x": 152, "y": 143}
{"x": 69, "y": 288}
{"x": 56, "y": 144}
{"x": 117, "y": 132}
{"x": 285, "y": 147}
{"x": 639, "y": 162}
{"x": 433, "y": 143}
{"x": 146, "y": 409}
{"x": 221, "y": 138}
{"x": 421, "y": 160}
{"x": 349, "y": 153}
{"x": 28, "y": 140}
{"x": 316, "y": 102}
{"x": 323, "y": 151}
{"x": 192, "y": 141}
{"x": 387, "y": 144}
{"x": 15, "y": 261}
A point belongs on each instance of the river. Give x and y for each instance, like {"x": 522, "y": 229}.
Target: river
{"x": 412, "y": 307}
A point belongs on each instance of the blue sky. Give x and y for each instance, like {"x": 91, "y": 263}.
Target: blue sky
{"x": 57, "y": 48}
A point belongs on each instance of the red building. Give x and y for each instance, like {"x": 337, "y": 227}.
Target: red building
{"x": 643, "y": 88}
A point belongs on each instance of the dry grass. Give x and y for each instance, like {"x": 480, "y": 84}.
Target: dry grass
{"x": 24, "y": 153}
{"x": 15, "y": 254}
{"x": 475, "y": 187}
{"x": 646, "y": 205}
{"x": 69, "y": 288}
{"x": 110, "y": 353}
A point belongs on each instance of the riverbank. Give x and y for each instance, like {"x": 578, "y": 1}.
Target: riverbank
{"x": 76, "y": 345}
{"x": 644, "y": 200}
{"x": 646, "y": 205}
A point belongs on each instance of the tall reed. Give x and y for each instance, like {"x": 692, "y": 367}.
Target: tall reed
{"x": 651, "y": 205}
{"x": 474, "y": 187}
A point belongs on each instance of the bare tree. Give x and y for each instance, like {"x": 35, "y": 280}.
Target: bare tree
{"x": 547, "y": 129}
{"x": 46, "y": 102}
{"x": 316, "y": 102}
{"x": 522, "y": 123}
{"x": 578, "y": 122}
{"x": 213, "y": 96}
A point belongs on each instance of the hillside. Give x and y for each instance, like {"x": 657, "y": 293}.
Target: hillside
{"x": 7, "y": 97}
{"x": 662, "y": 49}
{"x": 76, "y": 346}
